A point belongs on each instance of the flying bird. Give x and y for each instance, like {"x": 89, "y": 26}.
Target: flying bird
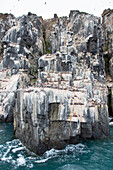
{"x": 45, "y": 3}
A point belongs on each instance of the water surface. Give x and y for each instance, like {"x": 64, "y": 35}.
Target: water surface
{"x": 87, "y": 155}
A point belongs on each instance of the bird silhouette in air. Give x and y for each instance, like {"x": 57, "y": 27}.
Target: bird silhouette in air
{"x": 45, "y": 3}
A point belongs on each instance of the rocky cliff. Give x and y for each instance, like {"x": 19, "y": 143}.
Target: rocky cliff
{"x": 21, "y": 42}
{"x": 56, "y": 70}
{"x": 107, "y": 28}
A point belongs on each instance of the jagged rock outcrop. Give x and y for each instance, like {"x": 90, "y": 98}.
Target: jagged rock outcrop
{"x": 80, "y": 32}
{"x": 107, "y": 25}
{"x": 107, "y": 29}
{"x": 70, "y": 100}
{"x": 62, "y": 109}
{"x": 8, "y": 86}
{"x": 21, "y": 43}
{"x": 6, "y": 22}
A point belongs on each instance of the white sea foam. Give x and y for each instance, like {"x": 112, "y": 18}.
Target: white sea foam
{"x": 111, "y": 123}
{"x": 52, "y": 153}
{"x": 21, "y": 161}
{"x": 4, "y": 158}
{"x": 18, "y": 149}
{"x": 78, "y": 148}
{"x": 7, "y": 151}
{"x": 13, "y": 162}
{"x": 42, "y": 160}
{"x": 15, "y": 153}
{"x": 30, "y": 165}
{"x": 80, "y": 145}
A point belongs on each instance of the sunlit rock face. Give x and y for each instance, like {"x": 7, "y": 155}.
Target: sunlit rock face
{"x": 8, "y": 86}
{"x": 6, "y": 22}
{"x": 77, "y": 35}
{"x": 69, "y": 101}
{"x": 65, "y": 58}
{"x": 20, "y": 42}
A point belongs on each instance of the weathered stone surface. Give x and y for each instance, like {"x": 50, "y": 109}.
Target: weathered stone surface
{"x": 6, "y": 22}
{"x": 8, "y": 86}
{"x": 107, "y": 29}
{"x": 111, "y": 67}
{"x": 107, "y": 25}
{"x": 53, "y": 117}
{"x": 69, "y": 100}
{"x": 21, "y": 42}
{"x": 78, "y": 33}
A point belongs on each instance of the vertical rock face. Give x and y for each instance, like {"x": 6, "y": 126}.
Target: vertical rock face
{"x": 107, "y": 25}
{"x": 107, "y": 28}
{"x": 8, "y": 86}
{"x": 21, "y": 42}
{"x": 78, "y": 33}
{"x": 70, "y": 100}
{"x": 6, "y": 22}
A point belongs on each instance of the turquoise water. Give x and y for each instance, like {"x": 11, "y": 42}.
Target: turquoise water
{"x": 86, "y": 155}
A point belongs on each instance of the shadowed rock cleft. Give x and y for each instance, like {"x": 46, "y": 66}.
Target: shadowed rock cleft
{"x": 53, "y": 81}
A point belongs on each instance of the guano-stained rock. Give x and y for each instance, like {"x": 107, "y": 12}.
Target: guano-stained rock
{"x": 107, "y": 29}
{"x": 69, "y": 100}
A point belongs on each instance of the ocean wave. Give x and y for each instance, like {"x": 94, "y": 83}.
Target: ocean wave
{"x": 42, "y": 160}
{"x": 15, "y": 153}
{"x": 21, "y": 160}
{"x": 111, "y": 123}
{"x": 80, "y": 148}
{"x": 70, "y": 148}
{"x": 18, "y": 149}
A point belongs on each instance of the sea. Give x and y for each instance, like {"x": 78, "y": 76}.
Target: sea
{"x": 87, "y": 155}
